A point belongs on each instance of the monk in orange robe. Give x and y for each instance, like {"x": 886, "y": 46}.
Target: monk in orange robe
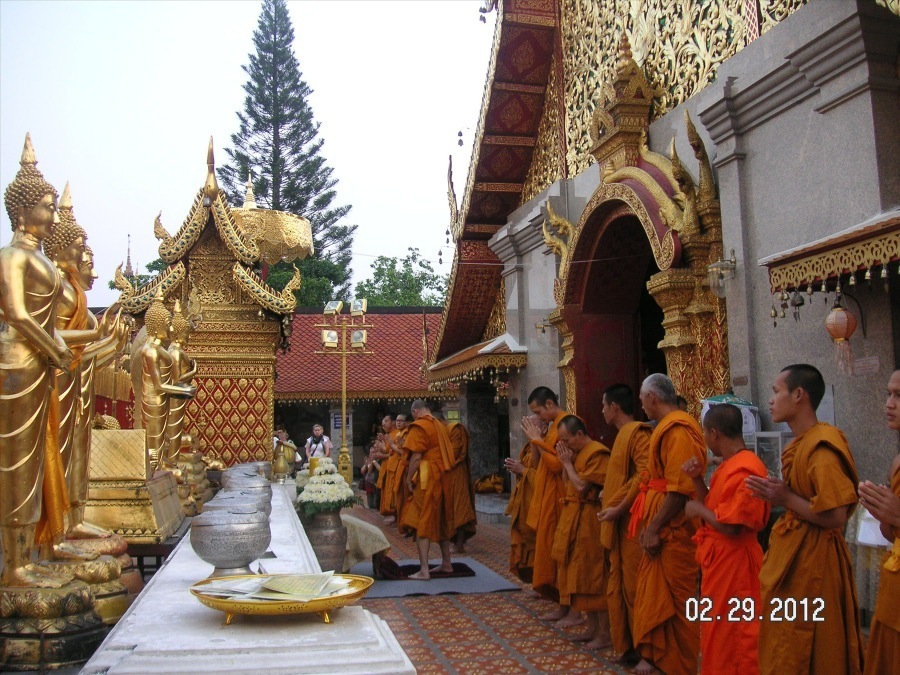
{"x": 728, "y": 551}
{"x": 549, "y": 490}
{"x": 808, "y": 561}
{"x": 460, "y": 489}
{"x": 385, "y": 483}
{"x": 431, "y": 457}
{"x": 627, "y": 463}
{"x": 521, "y": 537}
{"x": 400, "y": 495}
{"x": 883, "y": 653}
{"x": 668, "y": 573}
{"x": 581, "y": 574}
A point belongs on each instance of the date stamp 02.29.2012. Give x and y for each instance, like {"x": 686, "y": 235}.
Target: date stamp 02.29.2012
{"x": 787, "y": 610}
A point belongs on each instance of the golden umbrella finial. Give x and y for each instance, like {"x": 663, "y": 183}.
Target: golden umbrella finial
{"x": 249, "y": 197}
{"x": 211, "y": 189}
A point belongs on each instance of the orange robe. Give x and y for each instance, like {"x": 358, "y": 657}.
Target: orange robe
{"x": 543, "y": 513}
{"x": 662, "y": 633}
{"x": 521, "y": 537}
{"x": 805, "y": 561}
{"x": 386, "y": 478}
{"x": 399, "y": 492}
{"x": 429, "y": 438}
{"x": 730, "y": 568}
{"x": 581, "y": 571}
{"x": 627, "y": 462}
{"x": 883, "y": 655}
{"x": 459, "y": 481}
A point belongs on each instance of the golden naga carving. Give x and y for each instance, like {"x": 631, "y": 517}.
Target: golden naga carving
{"x": 280, "y": 302}
{"x": 451, "y": 198}
{"x": 136, "y": 300}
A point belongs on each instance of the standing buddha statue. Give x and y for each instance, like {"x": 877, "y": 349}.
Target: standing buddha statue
{"x": 30, "y": 352}
{"x": 183, "y": 371}
{"x": 157, "y": 384}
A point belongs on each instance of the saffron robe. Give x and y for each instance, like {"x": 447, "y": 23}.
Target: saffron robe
{"x": 581, "y": 571}
{"x": 627, "y": 462}
{"x": 399, "y": 492}
{"x": 883, "y": 654}
{"x": 386, "y": 478}
{"x": 543, "y": 514}
{"x": 662, "y": 633}
{"x": 459, "y": 483}
{"x": 729, "y": 567}
{"x": 521, "y": 537}
{"x": 805, "y": 561}
{"x": 429, "y": 438}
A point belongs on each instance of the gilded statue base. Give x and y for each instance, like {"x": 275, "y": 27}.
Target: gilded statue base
{"x": 103, "y": 576}
{"x": 142, "y": 512}
{"x": 122, "y": 495}
{"x": 193, "y": 488}
{"x": 48, "y": 628}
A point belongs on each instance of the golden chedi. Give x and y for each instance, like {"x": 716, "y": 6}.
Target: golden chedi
{"x": 157, "y": 384}
{"x": 46, "y": 618}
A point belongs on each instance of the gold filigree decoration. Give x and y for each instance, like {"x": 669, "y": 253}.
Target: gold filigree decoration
{"x": 390, "y": 395}
{"x": 548, "y": 160}
{"x": 174, "y": 248}
{"x": 139, "y": 299}
{"x": 773, "y": 12}
{"x": 496, "y": 325}
{"x": 893, "y": 5}
{"x": 821, "y": 266}
{"x": 280, "y": 302}
{"x": 476, "y": 367}
{"x": 678, "y": 44}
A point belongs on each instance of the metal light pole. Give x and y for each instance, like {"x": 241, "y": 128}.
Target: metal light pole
{"x": 330, "y": 342}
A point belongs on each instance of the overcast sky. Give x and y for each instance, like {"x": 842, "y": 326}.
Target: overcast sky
{"x": 122, "y": 97}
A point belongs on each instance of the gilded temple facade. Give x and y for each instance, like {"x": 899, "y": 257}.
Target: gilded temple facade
{"x": 213, "y": 270}
{"x": 679, "y": 188}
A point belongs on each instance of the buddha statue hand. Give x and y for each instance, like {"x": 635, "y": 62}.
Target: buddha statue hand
{"x": 62, "y": 359}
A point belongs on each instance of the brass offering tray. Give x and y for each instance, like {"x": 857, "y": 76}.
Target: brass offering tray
{"x": 355, "y": 590}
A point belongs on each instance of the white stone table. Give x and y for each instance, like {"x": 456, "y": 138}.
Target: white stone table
{"x": 167, "y": 630}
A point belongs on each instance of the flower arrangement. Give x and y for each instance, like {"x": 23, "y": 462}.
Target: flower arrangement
{"x": 325, "y": 490}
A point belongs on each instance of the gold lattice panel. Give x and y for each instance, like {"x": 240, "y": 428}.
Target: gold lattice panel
{"x": 118, "y": 454}
{"x": 233, "y": 416}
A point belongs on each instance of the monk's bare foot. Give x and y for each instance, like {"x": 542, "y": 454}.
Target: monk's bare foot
{"x": 86, "y": 530}
{"x": 582, "y": 637}
{"x": 441, "y": 569}
{"x": 454, "y": 548}
{"x": 571, "y": 620}
{"x": 555, "y": 615}
{"x": 644, "y": 668}
{"x": 599, "y": 643}
{"x": 420, "y": 576}
{"x": 389, "y": 520}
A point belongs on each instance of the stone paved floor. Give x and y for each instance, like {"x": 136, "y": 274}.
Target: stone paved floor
{"x": 479, "y": 633}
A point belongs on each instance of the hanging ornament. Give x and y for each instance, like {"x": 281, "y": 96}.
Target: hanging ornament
{"x": 841, "y": 324}
{"x": 852, "y": 281}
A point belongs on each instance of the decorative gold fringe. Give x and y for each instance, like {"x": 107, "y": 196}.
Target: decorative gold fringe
{"x": 113, "y": 384}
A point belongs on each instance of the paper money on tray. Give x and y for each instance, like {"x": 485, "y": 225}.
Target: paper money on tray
{"x": 279, "y": 588}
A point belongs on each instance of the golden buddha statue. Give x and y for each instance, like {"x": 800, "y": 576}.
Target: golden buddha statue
{"x": 95, "y": 356}
{"x": 183, "y": 371}
{"x": 30, "y": 351}
{"x": 157, "y": 384}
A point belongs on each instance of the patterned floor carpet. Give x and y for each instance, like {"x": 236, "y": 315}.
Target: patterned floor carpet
{"x": 486, "y": 633}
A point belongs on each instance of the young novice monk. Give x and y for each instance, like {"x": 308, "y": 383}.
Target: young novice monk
{"x": 729, "y": 554}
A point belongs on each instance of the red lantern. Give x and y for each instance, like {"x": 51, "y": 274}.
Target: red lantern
{"x": 841, "y": 324}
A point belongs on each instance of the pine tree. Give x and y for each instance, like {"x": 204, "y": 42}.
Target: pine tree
{"x": 278, "y": 144}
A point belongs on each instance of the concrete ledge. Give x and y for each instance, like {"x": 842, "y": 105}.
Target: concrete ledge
{"x": 491, "y": 508}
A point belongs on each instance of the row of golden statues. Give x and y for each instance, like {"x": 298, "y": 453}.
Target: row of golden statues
{"x": 50, "y": 347}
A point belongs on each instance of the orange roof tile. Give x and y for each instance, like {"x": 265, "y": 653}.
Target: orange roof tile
{"x": 393, "y": 370}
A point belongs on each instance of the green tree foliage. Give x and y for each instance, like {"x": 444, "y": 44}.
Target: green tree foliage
{"x": 278, "y": 144}
{"x": 410, "y": 282}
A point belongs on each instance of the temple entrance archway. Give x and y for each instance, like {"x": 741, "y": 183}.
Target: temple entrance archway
{"x": 616, "y": 326}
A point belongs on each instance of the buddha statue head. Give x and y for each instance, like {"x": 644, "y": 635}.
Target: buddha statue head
{"x": 30, "y": 200}
{"x": 86, "y": 270}
{"x": 65, "y": 245}
{"x": 181, "y": 327}
{"x": 157, "y": 317}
